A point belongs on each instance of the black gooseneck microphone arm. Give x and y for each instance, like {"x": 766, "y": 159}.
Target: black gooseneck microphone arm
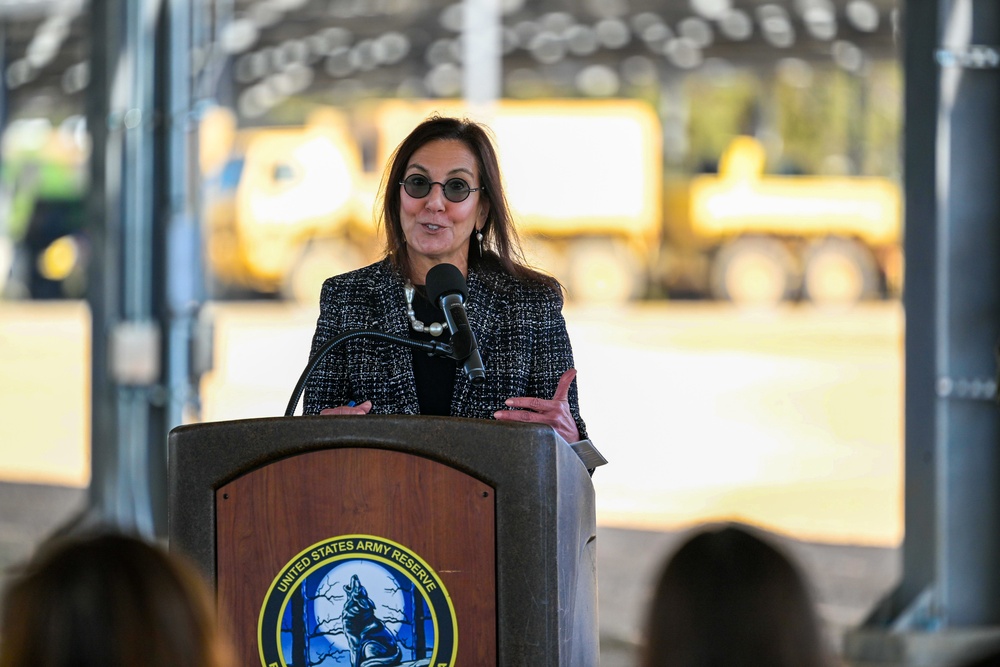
{"x": 432, "y": 347}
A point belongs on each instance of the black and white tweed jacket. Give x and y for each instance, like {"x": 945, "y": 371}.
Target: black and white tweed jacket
{"x": 519, "y": 328}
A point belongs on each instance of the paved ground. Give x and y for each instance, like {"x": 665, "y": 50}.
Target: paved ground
{"x": 848, "y": 580}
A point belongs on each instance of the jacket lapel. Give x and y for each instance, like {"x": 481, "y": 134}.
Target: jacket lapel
{"x": 483, "y": 308}
{"x": 391, "y": 310}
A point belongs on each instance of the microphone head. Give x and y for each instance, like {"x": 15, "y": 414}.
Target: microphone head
{"x": 445, "y": 279}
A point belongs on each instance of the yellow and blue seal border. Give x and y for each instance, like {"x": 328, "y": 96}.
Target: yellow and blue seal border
{"x": 392, "y": 556}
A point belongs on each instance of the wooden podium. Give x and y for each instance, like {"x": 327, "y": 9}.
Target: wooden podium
{"x": 390, "y": 540}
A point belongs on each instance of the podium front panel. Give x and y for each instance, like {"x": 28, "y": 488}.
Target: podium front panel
{"x": 300, "y": 538}
{"x": 529, "y": 546}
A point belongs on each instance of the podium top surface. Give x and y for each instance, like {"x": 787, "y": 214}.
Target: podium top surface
{"x": 487, "y": 449}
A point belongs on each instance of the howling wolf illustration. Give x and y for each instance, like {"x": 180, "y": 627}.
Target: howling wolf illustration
{"x": 372, "y": 644}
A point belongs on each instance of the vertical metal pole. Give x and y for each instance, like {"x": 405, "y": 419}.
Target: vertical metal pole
{"x": 952, "y": 301}
{"x": 482, "y": 58}
{"x": 919, "y": 302}
{"x": 184, "y": 275}
{"x": 968, "y": 316}
{"x": 6, "y": 243}
{"x": 4, "y": 92}
{"x": 102, "y": 269}
{"x": 125, "y": 341}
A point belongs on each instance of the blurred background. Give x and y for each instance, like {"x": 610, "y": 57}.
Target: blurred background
{"x": 717, "y": 183}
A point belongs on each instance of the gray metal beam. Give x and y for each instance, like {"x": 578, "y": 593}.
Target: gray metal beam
{"x": 180, "y": 277}
{"x": 968, "y": 317}
{"x": 947, "y": 605}
{"x": 146, "y": 273}
{"x": 125, "y": 342}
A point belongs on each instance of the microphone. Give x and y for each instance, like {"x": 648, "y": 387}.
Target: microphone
{"x": 446, "y": 287}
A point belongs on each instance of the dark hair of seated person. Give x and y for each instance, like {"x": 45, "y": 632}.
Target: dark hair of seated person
{"x": 728, "y": 597}
{"x": 109, "y": 600}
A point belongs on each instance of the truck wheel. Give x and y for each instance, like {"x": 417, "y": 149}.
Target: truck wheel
{"x": 603, "y": 271}
{"x": 839, "y": 272}
{"x": 319, "y": 260}
{"x": 753, "y": 271}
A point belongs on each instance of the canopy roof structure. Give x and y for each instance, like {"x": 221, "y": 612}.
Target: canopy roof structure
{"x": 256, "y": 53}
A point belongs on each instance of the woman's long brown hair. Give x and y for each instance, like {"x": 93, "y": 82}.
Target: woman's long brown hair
{"x": 109, "y": 600}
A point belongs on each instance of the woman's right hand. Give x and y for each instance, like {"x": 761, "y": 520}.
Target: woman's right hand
{"x": 361, "y": 409}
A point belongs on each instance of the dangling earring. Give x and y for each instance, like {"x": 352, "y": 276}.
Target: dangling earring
{"x": 479, "y": 239}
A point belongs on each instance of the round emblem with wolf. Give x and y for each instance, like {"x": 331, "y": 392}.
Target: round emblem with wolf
{"x": 357, "y": 600}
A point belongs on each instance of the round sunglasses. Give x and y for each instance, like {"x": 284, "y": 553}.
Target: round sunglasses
{"x": 455, "y": 189}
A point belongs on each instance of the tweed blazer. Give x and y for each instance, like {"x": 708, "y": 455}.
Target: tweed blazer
{"x": 519, "y": 328}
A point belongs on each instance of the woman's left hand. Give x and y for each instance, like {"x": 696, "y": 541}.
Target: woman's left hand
{"x": 554, "y": 412}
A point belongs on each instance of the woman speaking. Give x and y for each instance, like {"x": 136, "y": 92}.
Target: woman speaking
{"x": 443, "y": 203}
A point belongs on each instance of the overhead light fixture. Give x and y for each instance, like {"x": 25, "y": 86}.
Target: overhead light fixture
{"x": 736, "y": 25}
{"x": 683, "y": 53}
{"x": 42, "y": 49}
{"x": 393, "y": 47}
{"x": 451, "y": 17}
{"x": 557, "y": 22}
{"x": 775, "y": 25}
{"x": 819, "y": 17}
{"x": 293, "y": 52}
{"x": 264, "y": 15}
{"x": 249, "y": 66}
{"x": 511, "y": 6}
{"x": 238, "y": 36}
{"x": 336, "y": 36}
{"x": 697, "y": 30}
{"x": 19, "y": 73}
{"x": 863, "y": 15}
{"x": 656, "y": 35}
{"x": 644, "y": 20}
{"x": 608, "y": 9}
{"x": 76, "y": 77}
{"x": 848, "y": 56}
{"x": 612, "y": 33}
{"x": 547, "y": 48}
{"x": 444, "y": 80}
{"x": 338, "y": 62}
{"x": 581, "y": 40}
{"x": 365, "y": 55}
{"x": 639, "y": 71}
{"x": 598, "y": 81}
{"x": 712, "y": 9}
{"x": 288, "y": 5}
{"x": 440, "y": 52}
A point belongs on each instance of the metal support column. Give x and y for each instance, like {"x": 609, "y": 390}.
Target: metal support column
{"x": 146, "y": 271}
{"x": 482, "y": 61}
{"x": 179, "y": 277}
{"x": 947, "y": 606}
{"x": 968, "y": 316}
{"x": 125, "y": 342}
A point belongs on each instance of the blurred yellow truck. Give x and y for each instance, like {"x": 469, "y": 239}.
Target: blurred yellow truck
{"x": 586, "y": 182}
{"x": 584, "y": 179}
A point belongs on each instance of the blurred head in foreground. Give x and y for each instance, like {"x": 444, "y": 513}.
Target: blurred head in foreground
{"x": 729, "y": 598}
{"x": 108, "y": 600}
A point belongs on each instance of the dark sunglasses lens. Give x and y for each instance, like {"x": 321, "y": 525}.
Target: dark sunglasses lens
{"x": 416, "y": 186}
{"x": 456, "y": 190}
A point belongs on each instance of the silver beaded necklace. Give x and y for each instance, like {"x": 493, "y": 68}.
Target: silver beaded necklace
{"x": 434, "y": 328}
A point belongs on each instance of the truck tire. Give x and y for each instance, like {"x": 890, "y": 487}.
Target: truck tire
{"x": 839, "y": 272}
{"x": 603, "y": 271}
{"x": 319, "y": 260}
{"x": 757, "y": 271}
